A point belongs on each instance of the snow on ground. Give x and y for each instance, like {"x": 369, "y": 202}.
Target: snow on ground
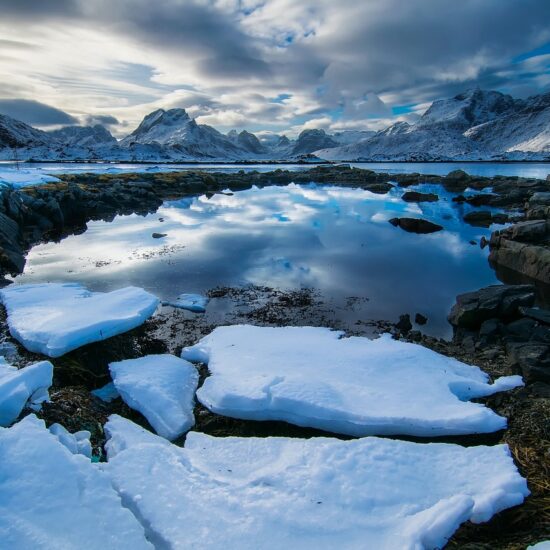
{"x": 192, "y": 302}
{"x": 51, "y": 498}
{"x": 162, "y": 388}
{"x": 314, "y": 377}
{"x": 77, "y": 443}
{"x": 544, "y": 545}
{"x": 19, "y": 387}
{"x": 317, "y": 493}
{"x": 23, "y": 177}
{"x": 55, "y": 318}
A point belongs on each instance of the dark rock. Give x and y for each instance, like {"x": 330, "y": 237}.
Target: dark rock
{"x": 482, "y": 218}
{"x": 490, "y": 327}
{"x": 483, "y": 242}
{"x": 521, "y": 329}
{"x": 498, "y": 301}
{"x": 416, "y": 225}
{"x": 404, "y": 324}
{"x": 415, "y": 196}
{"x": 524, "y": 248}
{"x": 420, "y": 319}
{"x": 531, "y": 359}
{"x": 541, "y": 315}
{"x": 472, "y": 242}
{"x": 159, "y": 235}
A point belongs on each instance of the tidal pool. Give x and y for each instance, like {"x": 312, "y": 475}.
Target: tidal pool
{"x": 333, "y": 239}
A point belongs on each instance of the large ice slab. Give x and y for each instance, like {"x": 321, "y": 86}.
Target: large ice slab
{"x": 51, "y": 498}
{"x": 162, "y": 388}
{"x": 314, "y": 377}
{"x": 320, "y": 493}
{"x": 55, "y": 318}
{"x": 19, "y": 387}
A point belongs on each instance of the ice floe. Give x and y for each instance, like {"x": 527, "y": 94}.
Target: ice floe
{"x": 193, "y": 302}
{"x": 314, "y": 377}
{"x": 162, "y": 388}
{"x": 55, "y": 318}
{"x": 78, "y": 443}
{"x": 20, "y": 387}
{"x": 274, "y": 492}
{"x": 51, "y": 498}
{"x": 106, "y": 393}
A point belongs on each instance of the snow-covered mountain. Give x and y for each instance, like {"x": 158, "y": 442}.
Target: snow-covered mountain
{"x": 17, "y": 134}
{"x": 83, "y": 136}
{"x": 180, "y": 137}
{"x": 476, "y": 125}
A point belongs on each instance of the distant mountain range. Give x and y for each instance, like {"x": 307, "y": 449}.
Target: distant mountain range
{"x": 476, "y": 125}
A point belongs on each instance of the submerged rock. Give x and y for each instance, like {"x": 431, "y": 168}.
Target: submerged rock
{"x": 416, "y": 225}
{"x": 416, "y": 196}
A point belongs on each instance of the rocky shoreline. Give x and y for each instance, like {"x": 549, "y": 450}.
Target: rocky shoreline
{"x": 498, "y": 328}
{"x": 52, "y": 211}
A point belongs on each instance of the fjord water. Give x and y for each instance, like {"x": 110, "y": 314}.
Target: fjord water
{"x": 335, "y": 240}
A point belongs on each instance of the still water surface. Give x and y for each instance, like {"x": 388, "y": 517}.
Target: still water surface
{"x": 333, "y": 239}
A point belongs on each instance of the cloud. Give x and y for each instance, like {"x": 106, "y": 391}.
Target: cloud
{"x": 104, "y": 120}
{"x": 268, "y": 64}
{"x": 34, "y": 112}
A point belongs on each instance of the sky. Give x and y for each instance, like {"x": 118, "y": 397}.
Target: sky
{"x": 263, "y": 65}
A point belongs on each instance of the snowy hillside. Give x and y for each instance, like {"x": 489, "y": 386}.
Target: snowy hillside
{"x": 476, "y": 125}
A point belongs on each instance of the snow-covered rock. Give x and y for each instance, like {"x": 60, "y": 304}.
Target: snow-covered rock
{"x": 21, "y": 387}
{"x": 162, "y": 388}
{"x": 15, "y": 134}
{"x": 55, "y": 318}
{"x": 315, "y": 377}
{"x": 51, "y": 498}
{"x": 192, "y": 302}
{"x": 319, "y": 493}
{"x": 77, "y": 443}
{"x": 312, "y": 140}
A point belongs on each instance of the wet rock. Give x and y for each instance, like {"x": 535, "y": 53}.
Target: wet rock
{"x": 498, "y": 301}
{"x": 420, "y": 319}
{"x": 416, "y": 196}
{"x": 416, "y": 225}
{"x": 404, "y": 324}
{"x": 456, "y": 181}
{"x": 540, "y": 198}
{"x": 159, "y": 235}
{"x": 524, "y": 248}
{"x": 484, "y": 218}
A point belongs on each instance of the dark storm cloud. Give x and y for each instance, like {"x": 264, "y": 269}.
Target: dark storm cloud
{"x": 104, "y": 120}
{"x": 33, "y": 112}
{"x": 31, "y": 9}
{"x": 186, "y": 29}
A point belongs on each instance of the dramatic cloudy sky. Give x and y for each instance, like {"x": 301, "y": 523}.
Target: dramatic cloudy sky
{"x": 263, "y": 64}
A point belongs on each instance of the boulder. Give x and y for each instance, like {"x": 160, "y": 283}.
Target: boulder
{"x": 493, "y": 302}
{"x": 532, "y": 359}
{"x": 416, "y": 225}
{"x": 416, "y": 196}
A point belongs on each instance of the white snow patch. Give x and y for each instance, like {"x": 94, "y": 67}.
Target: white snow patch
{"x": 24, "y": 177}
{"x": 162, "y": 388}
{"x": 192, "y": 302}
{"x": 50, "y": 498}
{"x": 320, "y": 493}
{"x": 19, "y": 387}
{"x": 314, "y": 377}
{"x": 543, "y": 545}
{"x": 77, "y": 443}
{"x": 55, "y": 318}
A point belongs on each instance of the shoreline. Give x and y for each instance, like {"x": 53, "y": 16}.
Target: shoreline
{"x": 53, "y": 211}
